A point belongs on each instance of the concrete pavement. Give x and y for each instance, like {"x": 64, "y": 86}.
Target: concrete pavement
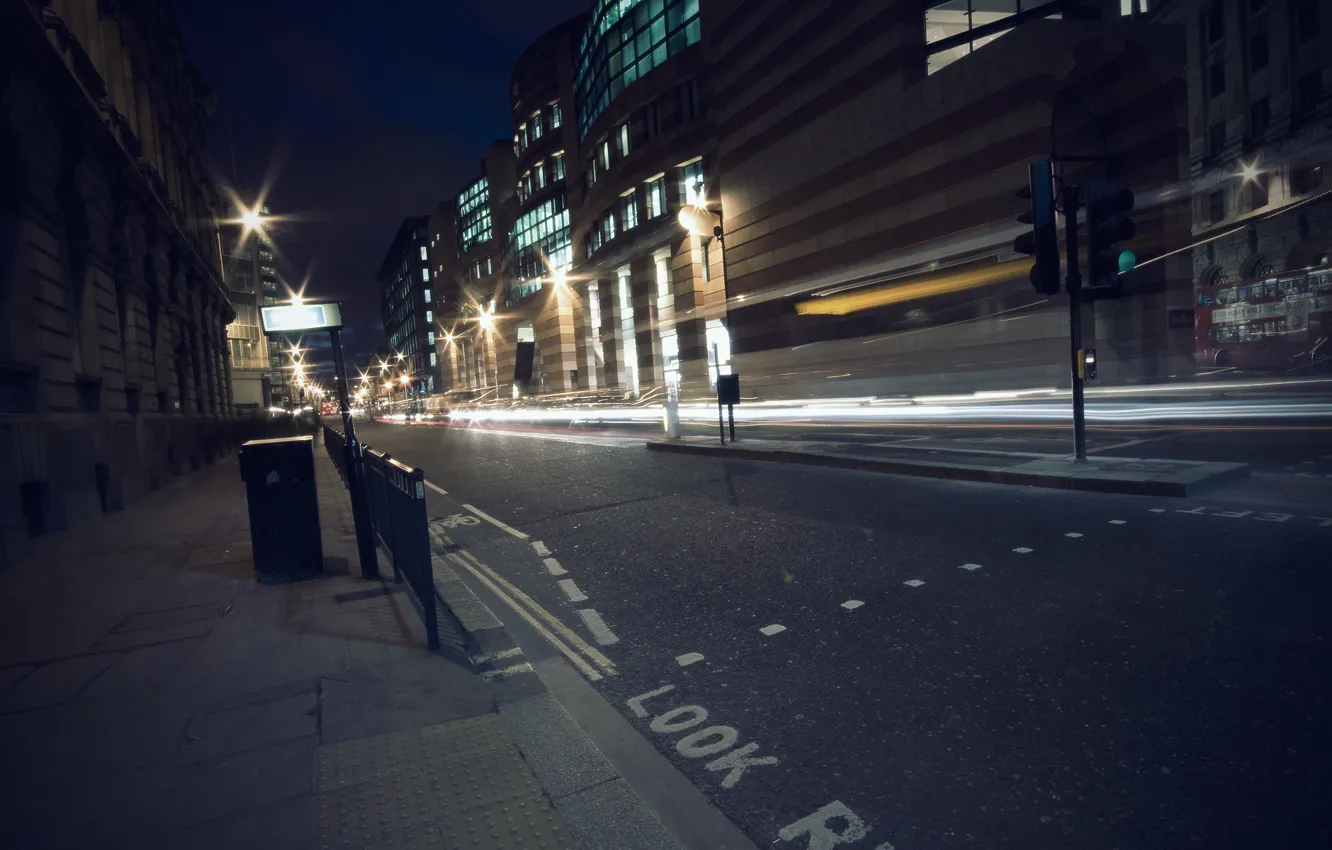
{"x": 153, "y": 694}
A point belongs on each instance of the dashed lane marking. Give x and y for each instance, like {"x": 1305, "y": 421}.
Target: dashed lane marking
{"x": 1022, "y": 550}
{"x": 970, "y": 567}
{"x": 540, "y": 548}
{"x": 1073, "y": 534}
{"x": 1116, "y": 522}
{"x": 597, "y": 626}
{"x": 773, "y": 629}
{"x": 915, "y": 582}
{"x": 852, "y": 604}
{"x": 553, "y": 567}
{"x": 490, "y": 519}
{"x": 688, "y": 658}
{"x": 438, "y": 489}
{"x": 571, "y": 591}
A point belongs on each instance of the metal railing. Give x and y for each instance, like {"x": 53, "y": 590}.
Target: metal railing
{"x": 400, "y": 522}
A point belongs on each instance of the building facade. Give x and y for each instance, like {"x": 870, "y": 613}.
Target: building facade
{"x": 407, "y": 304}
{"x": 249, "y": 269}
{"x": 114, "y": 373}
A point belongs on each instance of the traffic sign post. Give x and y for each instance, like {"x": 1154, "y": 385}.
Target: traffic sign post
{"x": 308, "y": 318}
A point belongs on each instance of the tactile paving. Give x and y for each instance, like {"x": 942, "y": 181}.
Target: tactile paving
{"x": 459, "y": 785}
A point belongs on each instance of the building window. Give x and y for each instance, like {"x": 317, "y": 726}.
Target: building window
{"x": 956, "y": 28}
{"x": 591, "y": 173}
{"x": 1258, "y": 191}
{"x": 687, "y": 95}
{"x": 558, "y": 165}
{"x": 1310, "y": 92}
{"x": 537, "y": 129}
{"x": 423, "y": 253}
{"x": 629, "y": 210}
{"x": 1308, "y": 21}
{"x": 541, "y": 232}
{"x": 474, "y": 215}
{"x": 1216, "y": 206}
{"x": 1258, "y": 56}
{"x": 622, "y": 140}
{"x": 425, "y": 274}
{"x": 427, "y": 296}
{"x": 651, "y": 121}
{"x": 623, "y": 42}
{"x": 608, "y": 224}
{"x": 1216, "y": 140}
{"x": 1132, "y": 8}
{"x": 1305, "y": 180}
{"x": 430, "y": 315}
{"x": 1217, "y": 77}
{"x": 1260, "y": 116}
{"x": 604, "y": 156}
{"x": 539, "y": 170}
{"x": 1215, "y": 22}
{"x": 692, "y": 188}
{"x": 556, "y": 115}
{"x": 433, "y": 360}
{"x": 656, "y": 197}
{"x": 430, "y": 337}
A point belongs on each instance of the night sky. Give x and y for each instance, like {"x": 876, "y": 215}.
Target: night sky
{"x": 358, "y": 114}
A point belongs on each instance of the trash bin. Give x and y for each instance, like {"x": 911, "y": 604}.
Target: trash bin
{"x": 284, "y": 508}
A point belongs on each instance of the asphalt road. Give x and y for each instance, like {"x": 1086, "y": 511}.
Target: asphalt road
{"x": 1026, "y": 669}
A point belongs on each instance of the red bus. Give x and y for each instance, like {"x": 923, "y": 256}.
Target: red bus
{"x": 1269, "y": 323}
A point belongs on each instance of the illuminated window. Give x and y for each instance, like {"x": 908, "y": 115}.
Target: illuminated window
{"x": 537, "y": 129}
{"x": 433, "y": 360}
{"x": 656, "y": 197}
{"x": 624, "y": 40}
{"x": 608, "y": 225}
{"x": 540, "y": 174}
{"x": 603, "y": 155}
{"x": 692, "y": 188}
{"x": 556, "y": 115}
{"x": 427, "y": 296}
{"x": 951, "y": 26}
{"x": 1128, "y": 8}
{"x": 474, "y": 215}
{"x": 430, "y": 315}
{"x": 543, "y": 231}
{"x": 430, "y": 337}
{"x": 423, "y": 252}
{"x": 629, "y": 210}
{"x": 622, "y": 140}
{"x": 558, "y": 162}
{"x": 425, "y": 274}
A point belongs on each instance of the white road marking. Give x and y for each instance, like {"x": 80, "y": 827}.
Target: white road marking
{"x": 598, "y": 627}
{"x": 636, "y": 703}
{"x": 1022, "y": 550}
{"x": 490, "y": 519}
{"x": 819, "y": 827}
{"x": 492, "y": 675}
{"x": 1116, "y": 522}
{"x": 438, "y": 489}
{"x": 678, "y": 719}
{"x": 1073, "y": 534}
{"x": 1156, "y": 510}
{"x": 852, "y": 604}
{"x": 688, "y": 658}
{"x": 736, "y": 763}
{"x": 496, "y": 656}
{"x": 692, "y": 746}
{"x": 553, "y": 566}
{"x": 571, "y": 591}
{"x": 915, "y": 582}
{"x": 773, "y": 629}
{"x": 970, "y": 567}
{"x": 568, "y": 636}
{"x": 540, "y": 548}
{"x": 578, "y": 661}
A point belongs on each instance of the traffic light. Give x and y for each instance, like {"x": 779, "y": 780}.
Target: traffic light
{"x": 1043, "y": 241}
{"x": 1108, "y": 224}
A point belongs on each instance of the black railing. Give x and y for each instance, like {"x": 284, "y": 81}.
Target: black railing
{"x": 399, "y": 520}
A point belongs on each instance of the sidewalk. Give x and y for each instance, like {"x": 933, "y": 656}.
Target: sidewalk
{"x": 154, "y": 695}
{"x": 1133, "y": 476}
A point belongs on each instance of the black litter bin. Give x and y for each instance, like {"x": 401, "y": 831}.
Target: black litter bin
{"x": 284, "y": 508}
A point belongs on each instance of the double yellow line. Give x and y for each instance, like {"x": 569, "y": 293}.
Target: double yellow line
{"x": 589, "y": 661}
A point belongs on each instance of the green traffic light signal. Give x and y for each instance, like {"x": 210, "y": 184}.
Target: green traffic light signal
{"x": 1127, "y": 260}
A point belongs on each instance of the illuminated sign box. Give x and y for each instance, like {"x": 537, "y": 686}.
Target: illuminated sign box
{"x": 293, "y": 318}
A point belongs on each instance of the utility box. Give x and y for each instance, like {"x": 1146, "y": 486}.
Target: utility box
{"x": 728, "y": 389}
{"x": 279, "y": 480}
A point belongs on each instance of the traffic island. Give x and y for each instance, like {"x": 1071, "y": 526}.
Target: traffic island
{"x": 1131, "y": 476}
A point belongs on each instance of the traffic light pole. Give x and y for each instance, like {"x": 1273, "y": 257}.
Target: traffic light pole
{"x": 360, "y": 499}
{"x": 1073, "y": 282}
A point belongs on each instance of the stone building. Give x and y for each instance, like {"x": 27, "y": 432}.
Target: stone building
{"x": 113, "y": 352}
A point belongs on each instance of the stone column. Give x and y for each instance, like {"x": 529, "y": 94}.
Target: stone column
{"x": 643, "y": 295}
{"x": 690, "y": 319}
{"x": 554, "y": 331}
{"x": 612, "y": 348}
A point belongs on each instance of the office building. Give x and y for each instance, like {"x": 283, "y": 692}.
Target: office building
{"x": 407, "y": 306}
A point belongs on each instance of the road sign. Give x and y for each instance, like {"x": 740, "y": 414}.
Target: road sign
{"x": 295, "y": 318}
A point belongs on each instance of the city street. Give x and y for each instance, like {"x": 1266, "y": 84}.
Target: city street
{"x": 913, "y": 664}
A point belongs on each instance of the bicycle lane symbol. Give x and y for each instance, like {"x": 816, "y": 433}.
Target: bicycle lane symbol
{"x": 458, "y": 520}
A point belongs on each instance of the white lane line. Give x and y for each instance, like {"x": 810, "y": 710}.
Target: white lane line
{"x": 553, "y": 566}
{"x": 438, "y": 489}
{"x": 915, "y": 582}
{"x": 970, "y": 567}
{"x": 490, "y": 519}
{"x": 1072, "y": 534}
{"x": 571, "y": 591}
{"x": 1156, "y": 510}
{"x": 852, "y": 604}
{"x": 597, "y": 626}
{"x": 688, "y": 658}
{"x": 773, "y": 629}
{"x": 578, "y": 660}
{"x": 540, "y": 548}
{"x": 1022, "y": 550}
{"x": 1116, "y": 522}
{"x": 492, "y": 675}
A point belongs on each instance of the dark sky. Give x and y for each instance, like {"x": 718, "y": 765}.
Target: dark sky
{"x": 360, "y": 113}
